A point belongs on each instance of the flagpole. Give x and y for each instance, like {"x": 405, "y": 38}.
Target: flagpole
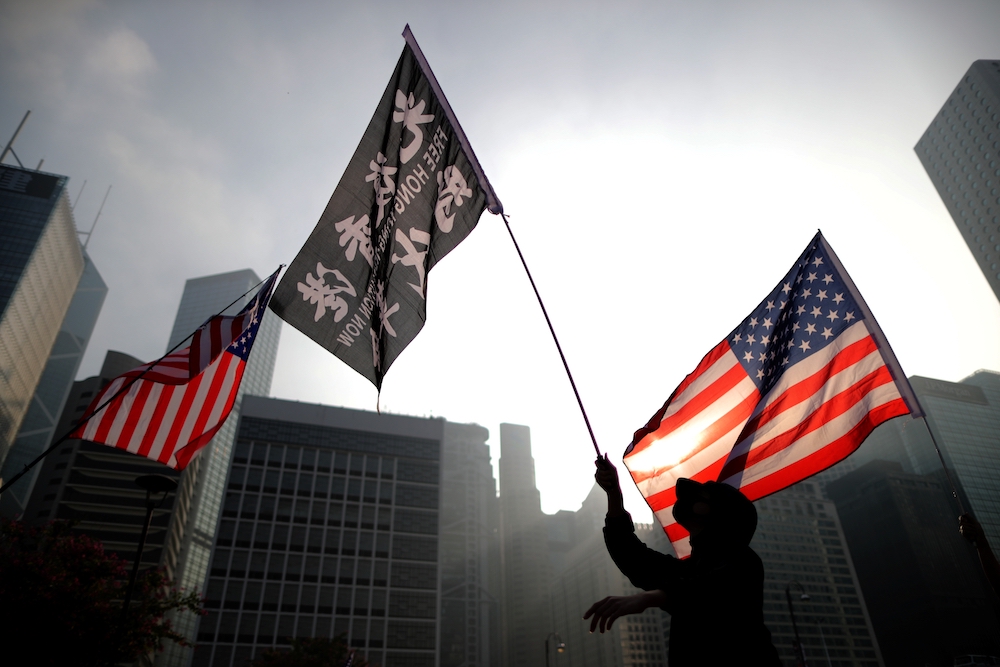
{"x": 944, "y": 466}
{"x": 125, "y": 388}
{"x": 555, "y": 338}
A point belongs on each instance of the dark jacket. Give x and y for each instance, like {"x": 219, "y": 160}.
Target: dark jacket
{"x": 714, "y": 598}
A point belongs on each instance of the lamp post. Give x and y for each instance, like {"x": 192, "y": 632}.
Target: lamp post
{"x": 800, "y": 655}
{"x": 152, "y": 484}
{"x": 560, "y": 646}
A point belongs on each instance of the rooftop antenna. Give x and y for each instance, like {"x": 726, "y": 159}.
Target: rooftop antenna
{"x": 78, "y": 194}
{"x": 9, "y": 148}
{"x": 96, "y": 217}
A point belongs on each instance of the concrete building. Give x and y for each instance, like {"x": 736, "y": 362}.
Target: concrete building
{"x": 202, "y": 484}
{"x": 926, "y": 593}
{"x": 526, "y": 564}
{"x": 40, "y": 266}
{"x": 586, "y": 574}
{"x": 94, "y": 485}
{"x": 799, "y": 538}
{"x": 961, "y": 153}
{"x": 38, "y": 429}
{"x": 340, "y": 521}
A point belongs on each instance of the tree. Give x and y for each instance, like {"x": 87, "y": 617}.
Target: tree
{"x": 61, "y": 596}
{"x": 310, "y": 652}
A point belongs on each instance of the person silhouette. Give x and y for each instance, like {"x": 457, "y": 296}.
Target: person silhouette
{"x": 715, "y": 597}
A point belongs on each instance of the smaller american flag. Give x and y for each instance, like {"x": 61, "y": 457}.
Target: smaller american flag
{"x": 795, "y": 388}
{"x": 169, "y": 409}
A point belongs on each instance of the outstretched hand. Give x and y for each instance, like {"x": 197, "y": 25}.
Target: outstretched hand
{"x": 605, "y": 612}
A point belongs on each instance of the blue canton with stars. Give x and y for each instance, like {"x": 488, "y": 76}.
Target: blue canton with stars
{"x": 241, "y": 346}
{"x": 807, "y": 310}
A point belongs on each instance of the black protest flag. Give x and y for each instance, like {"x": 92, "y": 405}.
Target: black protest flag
{"x": 411, "y": 193}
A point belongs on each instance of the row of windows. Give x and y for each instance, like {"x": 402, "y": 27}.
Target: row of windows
{"x": 293, "y": 567}
{"x": 320, "y": 511}
{"x": 280, "y": 434}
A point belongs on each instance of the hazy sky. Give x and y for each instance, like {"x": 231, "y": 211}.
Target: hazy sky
{"x": 663, "y": 165}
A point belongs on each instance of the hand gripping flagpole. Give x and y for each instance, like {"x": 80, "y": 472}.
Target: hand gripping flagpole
{"x": 494, "y": 206}
{"x": 124, "y": 388}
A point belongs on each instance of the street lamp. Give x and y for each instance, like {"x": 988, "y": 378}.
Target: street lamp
{"x": 800, "y": 656}
{"x": 560, "y": 646}
{"x": 152, "y": 484}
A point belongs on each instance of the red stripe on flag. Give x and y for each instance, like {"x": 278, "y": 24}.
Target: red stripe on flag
{"x": 667, "y": 497}
{"x": 808, "y": 387}
{"x": 132, "y": 418}
{"x": 156, "y": 421}
{"x": 106, "y": 418}
{"x": 654, "y": 423}
{"x": 828, "y": 455}
{"x": 709, "y": 436}
{"x": 184, "y": 454}
{"x": 829, "y": 410}
{"x": 211, "y": 398}
{"x": 190, "y": 391}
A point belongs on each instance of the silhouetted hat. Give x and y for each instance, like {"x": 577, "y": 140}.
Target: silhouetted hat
{"x": 732, "y": 518}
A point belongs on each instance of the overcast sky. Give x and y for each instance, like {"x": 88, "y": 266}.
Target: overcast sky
{"x": 663, "y": 165}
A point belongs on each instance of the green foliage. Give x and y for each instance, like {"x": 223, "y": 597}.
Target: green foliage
{"x": 311, "y": 652}
{"x": 61, "y": 596}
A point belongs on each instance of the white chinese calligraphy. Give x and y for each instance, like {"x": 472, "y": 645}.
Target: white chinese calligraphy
{"x": 452, "y": 187}
{"x": 385, "y": 312}
{"x": 413, "y": 257}
{"x": 316, "y": 291}
{"x": 411, "y": 114}
{"x": 381, "y": 180}
{"x": 356, "y": 236}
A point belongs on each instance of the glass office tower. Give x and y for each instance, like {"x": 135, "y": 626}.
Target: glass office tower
{"x": 199, "y": 497}
{"x": 39, "y": 426}
{"x": 339, "y": 522}
{"x": 40, "y": 266}
{"x": 961, "y": 153}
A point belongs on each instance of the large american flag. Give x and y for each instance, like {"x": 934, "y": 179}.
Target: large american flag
{"x": 169, "y": 409}
{"x": 795, "y": 388}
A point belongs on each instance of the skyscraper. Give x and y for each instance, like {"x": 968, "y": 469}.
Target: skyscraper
{"x": 40, "y": 265}
{"x": 39, "y": 426}
{"x": 961, "y": 153}
{"x": 583, "y": 574}
{"x": 525, "y": 559}
{"x": 202, "y": 484}
{"x": 928, "y": 599}
{"x": 965, "y": 419}
{"x": 341, "y": 521}
{"x": 94, "y": 485}
{"x": 799, "y": 538}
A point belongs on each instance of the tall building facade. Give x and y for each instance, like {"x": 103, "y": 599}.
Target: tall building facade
{"x": 584, "y": 573}
{"x": 94, "y": 486}
{"x": 799, "y": 538}
{"x": 526, "y": 567}
{"x": 202, "y": 484}
{"x": 38, "y": 429}
{"x": 337, "y": 521}
{"x": 40, "y": 265}
{"x": 929, "y": 601}
{"x": 961, "y": 153}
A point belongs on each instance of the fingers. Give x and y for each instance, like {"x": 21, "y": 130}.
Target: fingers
{"x": 605, "y": 612}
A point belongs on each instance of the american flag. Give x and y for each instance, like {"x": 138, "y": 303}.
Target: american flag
{"x": 170, "y": 408}
{"x": 795, "y": 388}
